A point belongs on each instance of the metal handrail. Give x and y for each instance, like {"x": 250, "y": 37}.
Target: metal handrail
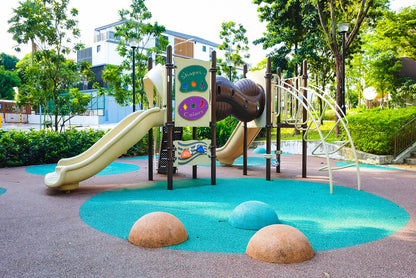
{"x": 404, "y": 137}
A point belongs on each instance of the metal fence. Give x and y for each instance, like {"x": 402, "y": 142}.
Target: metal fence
{"x": 405, "y": 137}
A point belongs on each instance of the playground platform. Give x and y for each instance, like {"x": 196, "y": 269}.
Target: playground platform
{"x": 43, "y": 235}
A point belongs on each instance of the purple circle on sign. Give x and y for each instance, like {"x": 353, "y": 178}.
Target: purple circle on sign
{"x": 193, "y": 108}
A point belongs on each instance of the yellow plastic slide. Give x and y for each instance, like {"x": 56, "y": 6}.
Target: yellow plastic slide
{"x": 70, "y": 171}
{"x": 234, "y": 146}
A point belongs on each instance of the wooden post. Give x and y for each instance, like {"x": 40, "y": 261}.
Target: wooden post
{"x": 194, "y": 167}
{"x": 150, "y": 134}
{"x": 213, "y": 123}
{"x": 169, "y": 122}
{"x": 245, "y": 135}
{"x": 268, "y": 116}
{"x": 278, "y": 137}
{"x": 305, "y": 117}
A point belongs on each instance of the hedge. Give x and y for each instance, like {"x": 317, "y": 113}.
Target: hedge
{"x": 21, "y": 148}
{"x": 372, "y": 131}
{"x": 224, "y": 130}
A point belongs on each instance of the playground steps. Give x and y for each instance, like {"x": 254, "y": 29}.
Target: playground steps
{"x": 412, "y": 159}
{"x": 163, "y": 152}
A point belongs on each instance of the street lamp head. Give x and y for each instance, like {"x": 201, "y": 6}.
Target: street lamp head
{"x": 343, "y": 27}
{"x": 134, "y": 43}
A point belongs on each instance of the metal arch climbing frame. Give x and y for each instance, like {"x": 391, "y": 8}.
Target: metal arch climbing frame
{"x": 329, "y": 101}
{"x": 292, "y": 92}
{"x": 281, "y": 88}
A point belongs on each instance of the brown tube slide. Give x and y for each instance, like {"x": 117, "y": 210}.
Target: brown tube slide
{"x": 244, "y": 100}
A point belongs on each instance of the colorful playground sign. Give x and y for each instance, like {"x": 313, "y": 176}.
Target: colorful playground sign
{"x": 191, "y": 152}
{"x": 193, "y": 108}
{"x": 192, "y": 95}
{"x": 192, "y": 78}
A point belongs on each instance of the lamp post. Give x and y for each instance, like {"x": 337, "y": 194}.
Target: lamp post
{"x": 134, "y": 43}
{"x": 343, "y": 29}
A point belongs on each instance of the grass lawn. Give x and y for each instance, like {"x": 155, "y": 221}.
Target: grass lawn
{"x": 288, "y": 133}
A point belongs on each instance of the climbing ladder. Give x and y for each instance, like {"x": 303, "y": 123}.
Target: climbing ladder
{"x": 163, "y": 152}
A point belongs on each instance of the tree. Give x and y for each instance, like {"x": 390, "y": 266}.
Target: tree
{"x": 379, "y": 58}
{"x": 48, "y": 76}
{"x": 52, "y": 88}
{"x": 406, "y": 93}
{"x": 356, "y": 13}
{"x": 135, "y": 26}
{"x": 291, "y": 31}
{"x": 398, "y": 30}
{"x": 8, "y": 80}
{"x": 8, "y": 76}
{"x": 9, "y": 62}
{"x": 382, "y": 65}
{"x": 235, "y": 44}
{"x": 28, "y": 23}
{"x": 356, "y": 68}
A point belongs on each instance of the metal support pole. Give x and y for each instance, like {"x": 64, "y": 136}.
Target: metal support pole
{"x": 213, "y": 123}
{"x": 268, "y": 116}
{"x": 305, "y": 117}
{"x": 134, "y": 79}
{"x": 150, "y": 134}
{"x": 278, "y": 134}
{"x": 169, "y": 122}
{"x": 194, "y": 167}
{"x": 245, "y": 136}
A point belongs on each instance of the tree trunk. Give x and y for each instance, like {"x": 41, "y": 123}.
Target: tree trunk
{"x": 56, "y": 122}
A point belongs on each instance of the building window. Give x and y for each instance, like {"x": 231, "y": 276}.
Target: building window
{"x": 98, "y": 48}
{"x": 204, "y": 48}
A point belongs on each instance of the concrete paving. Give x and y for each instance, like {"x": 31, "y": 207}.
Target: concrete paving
{"x": 42, "y": 234}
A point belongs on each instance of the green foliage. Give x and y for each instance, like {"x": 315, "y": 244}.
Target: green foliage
{"x": 329, "y": 115}
{"x": 234, "y": 42}
{"x": 20, "y": 148}
{"x": 135, "y": 26}
{"x": 397, "y": 30}
{"x": 224, "y": 130}
{"x": 8, "y": 80}
{"x": 292, "y": 32}
{"x": 48, "y": 76}
{"x": 9, "y": 62}
{"x": 49, "y": 80}
{"x": 373, "y": 130}
{"x": 359, "y": 15}
{"x": 378, "y": 61}
{"x": 406, "y": 93}
{"x": 48, "y": 24}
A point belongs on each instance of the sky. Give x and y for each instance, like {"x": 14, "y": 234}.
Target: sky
{"x": 192, "y": 17}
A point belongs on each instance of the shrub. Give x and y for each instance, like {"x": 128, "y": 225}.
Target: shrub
{"x": 20, "y": 148}
{"x": 373, "y": 130}
{"x": 329, "y": 115}
{"x": 224, "y": 130}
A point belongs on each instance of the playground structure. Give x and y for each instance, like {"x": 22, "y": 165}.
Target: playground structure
{"x": 261, "y": 100}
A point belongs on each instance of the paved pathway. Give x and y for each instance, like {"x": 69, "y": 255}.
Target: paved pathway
{"x": 42, "y": 234}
